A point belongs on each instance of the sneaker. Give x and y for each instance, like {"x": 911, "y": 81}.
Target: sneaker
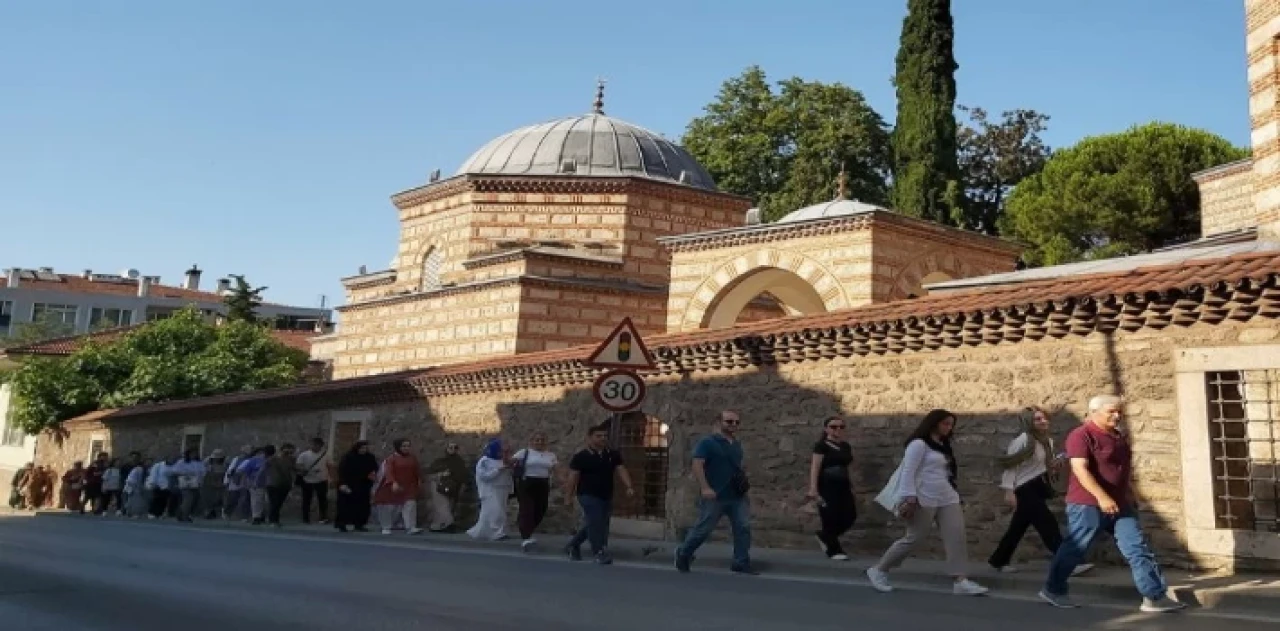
{"x": 415, "y": 531}
{"x": 1060, "y": 601}
{"x": 386, "y": 531}
{"x": 879, "y": 580}
{"x": 528, "y": 544}
{"x": 840, "y": 557}
{"x": 683, "y": 563}
{"x": 574, "y": 552}
{"x": 1161, "y": 605}
{"x": 967, "y": 587}
{"x": 1081, "y": 569}
{"x": 603, "y": 558}
{"x": 744, "y": 569}
{"x": 1006, "y": 569}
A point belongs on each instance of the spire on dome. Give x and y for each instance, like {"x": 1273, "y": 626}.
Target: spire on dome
{"x": 598, "y": 106}
{"x": 842, "y": 184}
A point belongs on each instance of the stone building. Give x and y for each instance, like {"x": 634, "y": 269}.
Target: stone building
{"x": 886, "y": 317}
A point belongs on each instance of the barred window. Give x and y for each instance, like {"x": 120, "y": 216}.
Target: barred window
{"x": 1244, "y": 436}
{"x": 431, "y": 267}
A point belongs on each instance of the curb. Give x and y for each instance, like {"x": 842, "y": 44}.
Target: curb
{"x": 1238, "y": 598}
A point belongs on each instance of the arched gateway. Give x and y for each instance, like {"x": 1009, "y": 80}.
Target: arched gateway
{"x": 800, "y": 284}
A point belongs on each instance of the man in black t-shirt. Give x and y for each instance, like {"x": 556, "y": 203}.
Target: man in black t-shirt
{"x": 591, "y": 480}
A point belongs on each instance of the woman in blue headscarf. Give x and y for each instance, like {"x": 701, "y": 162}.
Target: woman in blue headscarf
{"x": 494, "y": 484}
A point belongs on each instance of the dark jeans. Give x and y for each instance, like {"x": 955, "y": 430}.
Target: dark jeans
{"x": 190, "y": 499}
{"x": 276, "y": 495}
{"x": 838, "y": 514}
{"x": 104, "y": 501}
{"x": 1032, "y": 511}
{"x": 709, "y": 513}
{"x": 320, "y": 491}
{"x": 596, "y": 514}
{"x": 534, "y": 494}
{"x": 238, "y": 504}
{"x": 1084, "y": 524}
{"x": 159, "y": 502}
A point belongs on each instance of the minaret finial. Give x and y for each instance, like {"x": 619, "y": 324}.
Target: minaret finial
{"x": 842, "y": 184}
{"x": 598, "y": 106}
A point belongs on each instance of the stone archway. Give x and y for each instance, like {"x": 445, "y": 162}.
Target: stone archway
{"x": 799, "y": 283}
{"x": 932, "y": 267}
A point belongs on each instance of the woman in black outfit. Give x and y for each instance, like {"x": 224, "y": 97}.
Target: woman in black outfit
{"x": 356, "y": 472}
{"x": 831, "y": 485}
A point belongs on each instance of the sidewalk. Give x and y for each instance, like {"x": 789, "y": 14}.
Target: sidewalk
{"x": 1254, "y": 595}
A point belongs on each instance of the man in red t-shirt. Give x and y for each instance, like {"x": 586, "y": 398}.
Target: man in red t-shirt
{"x": 1100, "y": 498}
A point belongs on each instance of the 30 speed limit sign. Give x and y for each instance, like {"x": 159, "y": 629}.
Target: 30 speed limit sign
{"x": 619, "y": 390}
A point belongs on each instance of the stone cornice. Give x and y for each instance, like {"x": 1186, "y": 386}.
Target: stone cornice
{"x": 612, "y": 286}
{"x": 567, "y": 185}
{"x": 384, "y": 277}
{"x": 773, "y": 232}
{"x": 569, "y": 256}
{"x": 1223, "y": 170}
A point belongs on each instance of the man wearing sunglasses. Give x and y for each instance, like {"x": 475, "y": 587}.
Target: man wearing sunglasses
{"x": 717, "y": 465}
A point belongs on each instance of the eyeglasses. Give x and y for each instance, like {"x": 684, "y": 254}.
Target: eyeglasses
{"x": 836, "y": 426}
{"x": 730, "y": 421}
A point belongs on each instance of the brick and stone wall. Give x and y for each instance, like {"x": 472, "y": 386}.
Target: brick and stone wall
{"x": 1262, "y": 45}
{"x": 782, "y": 407}
{"x": 1226, "y": 198}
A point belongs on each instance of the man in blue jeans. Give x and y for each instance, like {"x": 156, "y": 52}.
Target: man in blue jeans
{"x": 717, "y": 465}
{"x": 1100, "y": 498}
{"x": 591, "y": 481}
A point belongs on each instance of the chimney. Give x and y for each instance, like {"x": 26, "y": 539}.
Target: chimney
{"x": 15, "y": 275}
{"x": 224, "y": 285}
{"x": 192, "y": 281}
{"x": 144, "y": 286}
{"x": 88, "y": 274}
{"x": 47, "y": 270}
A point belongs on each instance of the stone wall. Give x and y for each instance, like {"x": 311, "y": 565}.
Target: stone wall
{"x": 782, "y": 406}
{"x": 1226, "y": 198}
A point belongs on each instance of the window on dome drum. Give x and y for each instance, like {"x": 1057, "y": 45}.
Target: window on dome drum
{"x": 1244, "y": 439}
{"x": 105, "y": 318}
{"x": 6, "y": 316}
{"x": 60, "y": 316}
{"x": 431, "y": 266}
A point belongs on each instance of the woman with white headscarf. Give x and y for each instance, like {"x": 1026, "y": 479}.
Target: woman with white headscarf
{"x": 494, "y": 485}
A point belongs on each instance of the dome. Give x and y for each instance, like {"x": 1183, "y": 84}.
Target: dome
{"x": 592, "y": 145}
{"x": 828, "y": 210}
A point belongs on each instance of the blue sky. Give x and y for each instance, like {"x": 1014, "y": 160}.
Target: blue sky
{"x": 265, "y": 138}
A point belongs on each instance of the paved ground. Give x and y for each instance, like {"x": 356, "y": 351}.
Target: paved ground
{"x": 88, "y": 574}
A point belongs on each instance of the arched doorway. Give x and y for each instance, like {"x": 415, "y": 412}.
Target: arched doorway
{"x": 642, "y": 440}
{"x": 764, "y": 284}
{"x": 794, "y": 294}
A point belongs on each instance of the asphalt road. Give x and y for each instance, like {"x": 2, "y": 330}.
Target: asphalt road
{"x": 61, "y": 573}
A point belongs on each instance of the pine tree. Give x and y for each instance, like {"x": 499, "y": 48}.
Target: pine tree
{"x": 243, "y": 301}
{"x": 926, "y": 175}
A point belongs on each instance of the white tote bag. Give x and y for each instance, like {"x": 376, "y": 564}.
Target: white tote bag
{"x": 888, "y": 497}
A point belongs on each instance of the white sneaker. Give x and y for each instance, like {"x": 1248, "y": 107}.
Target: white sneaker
{"x": 528, "y": 544}
{"x": 839, "y": 557}
{"x": 415, "y": 531}
{"x": 968, "y": 588}
{"x": 1081, "y": 569}
{"x": 879, "y": 580}
{"x": 1163, "y": 605}
{"x": 386, "y": 531}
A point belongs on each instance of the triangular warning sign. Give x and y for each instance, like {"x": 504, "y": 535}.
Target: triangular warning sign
{"x": 622, "y": 349}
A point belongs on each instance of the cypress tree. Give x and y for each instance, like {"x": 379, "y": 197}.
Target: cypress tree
{"x": 925, "y": 171}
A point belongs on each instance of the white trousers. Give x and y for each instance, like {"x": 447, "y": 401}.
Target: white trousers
{"x": 441, "y": 509}
{"x": 408, "y": 511}
{"x": 258, "y": 503}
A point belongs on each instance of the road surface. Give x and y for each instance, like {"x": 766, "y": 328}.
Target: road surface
{"x": 88, "y": 574}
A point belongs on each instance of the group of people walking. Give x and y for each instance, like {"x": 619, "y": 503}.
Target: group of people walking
{"x": 923, "y": 493}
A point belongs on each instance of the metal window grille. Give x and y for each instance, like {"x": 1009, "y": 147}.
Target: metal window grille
{"x": 1244, "y": 436}
{"x": 642, "y": 441}
{"x": 431, "y": 269}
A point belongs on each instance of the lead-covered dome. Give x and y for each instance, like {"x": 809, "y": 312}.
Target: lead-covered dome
{"x": 592, "y": 145}
{"x": 828, "y": 210}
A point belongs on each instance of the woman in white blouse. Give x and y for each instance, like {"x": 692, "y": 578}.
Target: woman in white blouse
{"x": 494, "y": 486}
{"x": 926, "y": 493}
{"x": 1029, "y": 466}
{"x": 534, "y": 468}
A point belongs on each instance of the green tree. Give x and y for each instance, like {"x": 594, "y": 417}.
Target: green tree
{"x": 1116, "y": 194}
{"x": 176, "y": 358}
{"x": 994, "y": 157}
{"x": 243, "y": 301}
{"x": 44, "y": 328}
{"x": 925, "y": 171}
{"x": 784, "y": 148}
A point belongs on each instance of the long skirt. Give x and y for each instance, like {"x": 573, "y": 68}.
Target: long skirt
{"x": 353, "y": 508}
{"x": 136, "y": 503}
{"x": 492, "y": 524}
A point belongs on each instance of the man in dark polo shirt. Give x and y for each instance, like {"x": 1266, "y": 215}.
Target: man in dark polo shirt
{"x": 591, "y": 480}
{"x": 1100, "y": 498}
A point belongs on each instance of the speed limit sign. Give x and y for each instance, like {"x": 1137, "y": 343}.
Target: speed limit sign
{"x": 619, "y": 390}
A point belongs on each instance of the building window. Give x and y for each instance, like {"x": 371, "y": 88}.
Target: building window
{"x": 61, "y": 316}
{"x": 106, "y": 318}
{"x": 6, "y": 316}
{"x": 96, "y": 446}
{"x": 1244, "y": 438}
{"x": 431, "y": 267}
{"x": 193, "y": 438}
{"x": 643, "y": 442}
{"x": 159, "y": 314}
